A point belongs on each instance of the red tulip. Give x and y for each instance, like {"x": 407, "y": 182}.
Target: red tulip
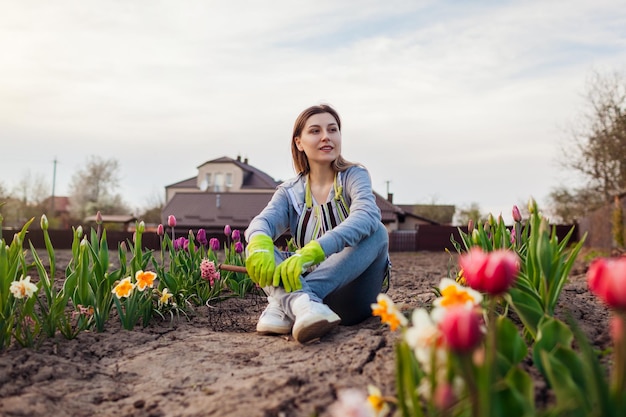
{"x": 491, "y": 272}
{"x": 460, "y": 328}
{"x": 606, "y": 278}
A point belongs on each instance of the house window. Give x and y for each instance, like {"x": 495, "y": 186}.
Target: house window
{"x": 229, "y": 179}
{"x": 219, "y": 183}
{"x": 207, "y": 178}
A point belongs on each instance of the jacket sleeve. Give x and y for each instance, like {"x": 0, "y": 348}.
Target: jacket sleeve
{"x": 364, "y": 215}
{"x": 273, "y": 219}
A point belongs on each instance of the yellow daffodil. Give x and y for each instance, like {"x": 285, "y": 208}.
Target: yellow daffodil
{"x": 388, "y": 312}
{"x": 165, "y": 297}
{"x": 23, "y": 288}
{"x": 453, "y": 294}
{"x": 376, "y": 401}
{"x": 144, "y": 279}
{"x": 123, "y": 288}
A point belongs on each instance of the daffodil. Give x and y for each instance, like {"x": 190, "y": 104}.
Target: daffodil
{"x": 388, "y": 312}
{"x": 454, "y": 294}
{"x": 165, "y": 297}
{"x": 376, "y": 401}
{"x": 23, "y": 288}
{"x": 144, "y": 279}
{"x": 424, "y": 338}
{"x": 123, "y": 288}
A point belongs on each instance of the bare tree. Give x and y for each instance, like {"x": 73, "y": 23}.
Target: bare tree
{"x": 599, "y": 142}
{"x": 93, "y": 188}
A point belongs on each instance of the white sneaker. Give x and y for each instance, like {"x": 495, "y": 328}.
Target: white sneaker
{"x": 313, "y": 319}
{"x": 273, "y": 320}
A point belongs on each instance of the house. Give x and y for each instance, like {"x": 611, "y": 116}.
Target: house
{"x": 225, "y": 191}
{"x": 57, "y": 209}
{"x": 231, "y": 192}
{"x": 598, "y": 225}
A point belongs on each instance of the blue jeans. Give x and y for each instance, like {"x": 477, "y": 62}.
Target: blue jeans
{"x": 347, "y": 281}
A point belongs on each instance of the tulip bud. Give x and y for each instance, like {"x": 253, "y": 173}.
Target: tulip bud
{"x": 532, "y": 206}
{"x": 201, "y": 237}
{"x": 44, "y": 222}
{"x": 238, "y": 247}
{"x": 98, "y": 217}
{"x": 491, "y": 272}
{"x": 444, "y": 397}
{"x": 460, "y": 328}
{"x": 475, "y": 236}
{"x": 227, "y": 230}
{"x": 236, "y": 235}
{"x": 214, "y": 243}
{"x": 491, "y": 220}
{"x": 141, "y": 227}
{"x": 470, "y": 226}
{"x": 171, "y": 221}
{"x": 79, "y": 231}
{"x": 517, "y": 216}
{"x": 160, "y": 230}
{"x": 606, "y": 278}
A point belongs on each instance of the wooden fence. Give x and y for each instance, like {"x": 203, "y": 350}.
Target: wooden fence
{"x": 425, "y": 238}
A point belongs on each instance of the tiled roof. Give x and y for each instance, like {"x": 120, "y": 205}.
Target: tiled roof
{"x": 215, "y": 210}
{"x": 388, "y": 211}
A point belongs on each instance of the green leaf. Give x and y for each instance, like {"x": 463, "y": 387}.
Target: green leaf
{"x": 551, "y": 333}
{"x": 528, "y": 307}
{"x": 510, "y": 344}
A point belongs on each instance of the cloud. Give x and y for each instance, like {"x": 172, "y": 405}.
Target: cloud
{"x": 454, "y": 99}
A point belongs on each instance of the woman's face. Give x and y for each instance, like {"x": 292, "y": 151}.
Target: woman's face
{"x": 320, "y": 139}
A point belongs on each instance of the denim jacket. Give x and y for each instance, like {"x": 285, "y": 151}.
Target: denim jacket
{"x": 284, "y": 209}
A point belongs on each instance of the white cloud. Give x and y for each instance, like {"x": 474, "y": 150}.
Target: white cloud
{"x": 457, "y": 100}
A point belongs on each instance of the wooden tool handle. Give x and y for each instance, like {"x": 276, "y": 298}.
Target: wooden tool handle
{"x": 233, "y": 268}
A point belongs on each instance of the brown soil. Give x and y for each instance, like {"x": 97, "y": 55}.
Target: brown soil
{"x": 214, "y": 364}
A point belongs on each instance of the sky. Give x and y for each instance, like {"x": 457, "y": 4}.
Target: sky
{"x": 445, "y": 102}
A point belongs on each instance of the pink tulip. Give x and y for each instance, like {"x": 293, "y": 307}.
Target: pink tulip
{"x": 171, "y": 221}
{"x": 444, "y": 397}
{"x": 160, "y": 230}
{"x": 616, "y": 328}
{"x": 606, "y": 278}
{"x": 227, "y": 230}
{"x": 491, "y": 272}
{"x": 517, "y": 216}
{"x": 460, "y": 328}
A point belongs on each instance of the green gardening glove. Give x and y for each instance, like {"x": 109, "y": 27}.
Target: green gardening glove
{"x": 290, "y": 269}
{"x": 260, "y": 261}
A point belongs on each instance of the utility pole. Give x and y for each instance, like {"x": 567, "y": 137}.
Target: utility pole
{"x": 54, "y": 180}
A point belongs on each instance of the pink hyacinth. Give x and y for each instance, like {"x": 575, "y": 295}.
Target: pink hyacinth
{"x": 208, "y": 271}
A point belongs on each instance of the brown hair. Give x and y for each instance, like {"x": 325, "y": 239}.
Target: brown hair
{"x": 300, "y": 160}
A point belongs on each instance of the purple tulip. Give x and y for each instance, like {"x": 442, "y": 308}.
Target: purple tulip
{"x": 238, "y": 247}
{"x": 201, "y": 237}
{"x": 181, "y": 244}
{"x": 214, "y": 244}
{"x": 227, "y": 230}
{"x": 236, "y": 235}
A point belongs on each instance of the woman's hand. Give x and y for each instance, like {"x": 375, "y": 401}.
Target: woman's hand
{"x": 290, "y": 270}
{"x": 260, "y": 261}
